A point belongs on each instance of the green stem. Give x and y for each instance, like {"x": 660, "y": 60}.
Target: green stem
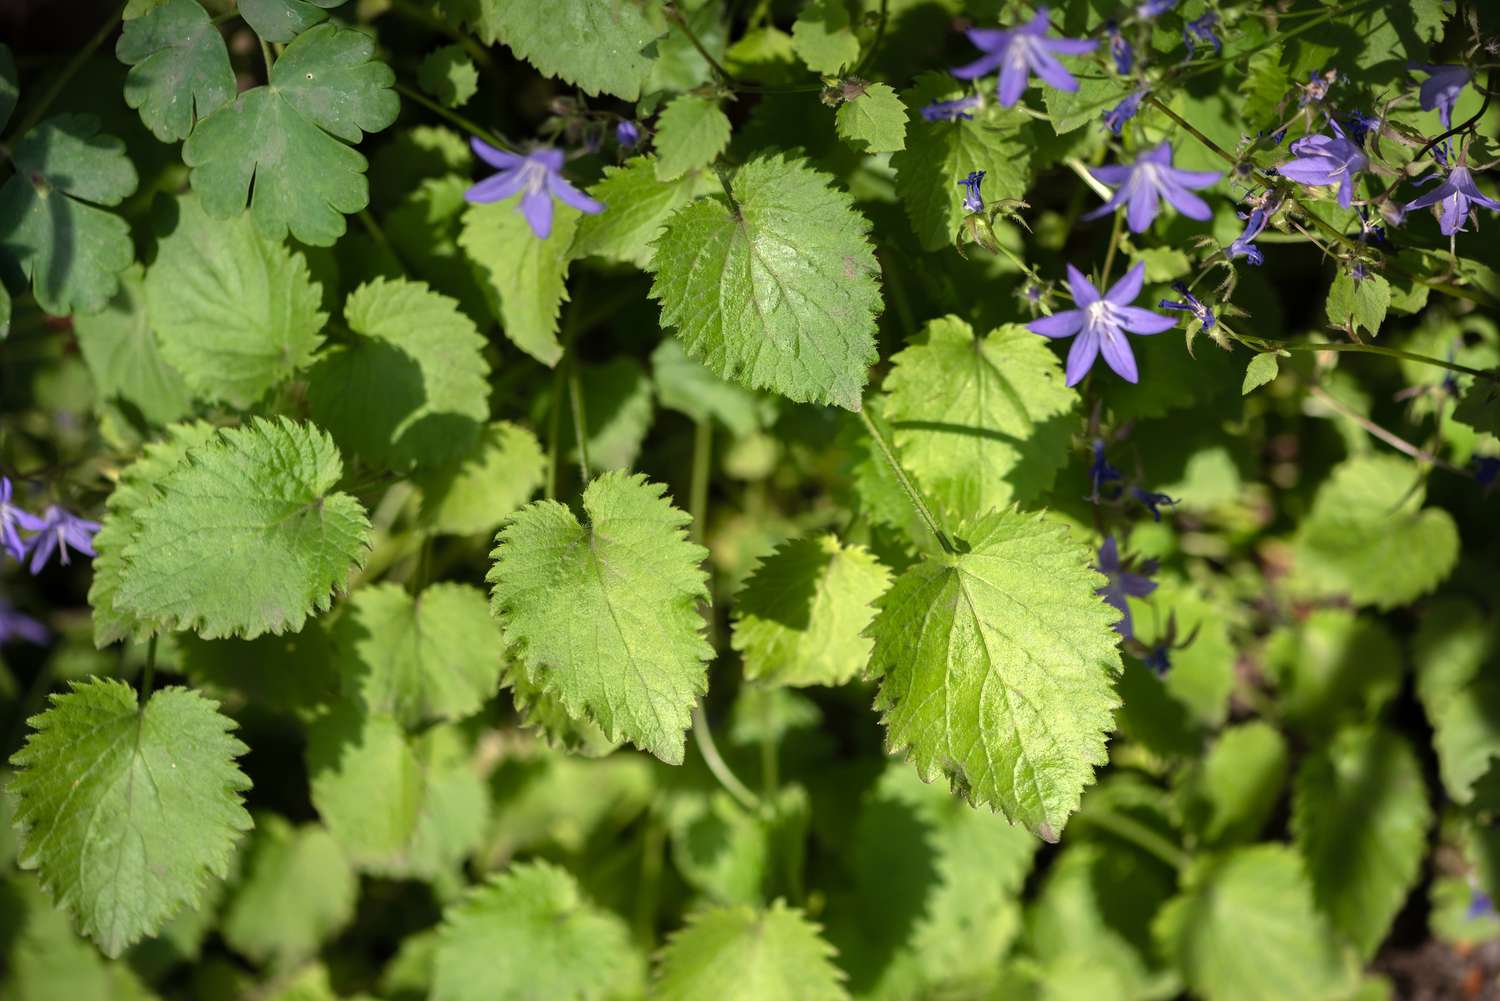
{"x": 703, "y": 440}
{"x": 715, "y": 761}
{"x": 454, "y": 118}
{"x": 1138, "y": 834}
{"x": 680, "y": 23}
{"x": 1375, "y": 349}
{"x": 148, "y": 674}
{"x": 653, "y": 846}
{"x": 1114, "y": 245}
{"x": 554, "y": 428}
{"x": 1376, "y": 431}
{"x": 265, "y": 54}
{"x": 912, "y": 495}
{"x": 473, "y": 49}
{"x": 80, "y": 57}
{"x": 580, "y": 425}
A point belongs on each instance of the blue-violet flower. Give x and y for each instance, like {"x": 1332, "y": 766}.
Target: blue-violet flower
{"x": 973, "y": 200}
{"x": 1151, "y": 178}
{"x": 1244, "y": 244}
{"x": 1457, "y": 195}
{"x": 1320, "y": 160}
{"x": 627, "y": 133}
{"x": 1153, "y": 501}
{"x": 1441, "y": 89}
{"x": 1123, "y": 112}
{"x": 16, "y": 625}
{"x": 1203, "y": 30}
{"x": 58, "y": 531}
{"x": 1101, "y": 323}
{"x": 1120, "y": 49}
{"x": 12, "y": 518}
{"x": 1019, "y": 52}
{"x": 1122, "y": 583}
{"x": 951, "y": 111}
{"x": 1101, "y": 471}
{"x": 537, "y": 176}
{"x": 1190, "y": 304}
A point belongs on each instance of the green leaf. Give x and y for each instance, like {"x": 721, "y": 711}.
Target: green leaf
{"x": 617, "y": 412}
{"x": 691, "y": 133}
{"x": 1202, "y": 677}
{"x": 1095, "y": 96}
{"x": 638, "y": 206}
{"x": 121, "y": 352}
{"x": 366, "y": 783}
{"x": 688, "y": 387}
{"x": 873, "y": 119}
{"x": 1360, "y": 818}
{"x": 938, "y": 885}
{"x": 745, "y": 954}
{"x": 802, "y": 615}
{"x": 1454, "y": 652}
{"x": 476, "y": 493}
{"x": 612, "y": 60}
{"x": 433, "y": 656}
{"x": 179, "y": 68}
{"x": 543, "y": 713}
{"x": 289, "y": 136}
{"x": 996, "y": 667}
{"x": 605, "y": 616}
{"x": 449, "y": 75}
{"x": 138, "y": 487}
{"x": 292, "y": 673}
{"x": 1480, "y": 407}
{"x": 284, "y": 20}
{"x": 526, "y": 277}
{"x": 1368, "y": 536}
{"x": 1244, "y": 928}
{"x": 981, "y": 423}
{"x": 297, "y": 892}
{"x": 1232, "y": 789}
{"x": 413, "y": 387}
{"x": 234, "y": 312}
{"x": 938, "y": 155}
{"x": 128, "y": 810}
{"x": 46, "y": 961}
{"x": 822, "y": 36}
{"x": 1353, "y": 304}
{"x": 530, "y": 933}
{"x": 720, "y": 849}
{"x": 51, "y": 225}
{"x": 1333, "y": 667}
{"x": 1262, "y": 369}
{"x": 245, "y": 536}
{"x": 779, "y": 292}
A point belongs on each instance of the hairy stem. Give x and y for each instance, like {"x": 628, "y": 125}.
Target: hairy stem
{"x": 680, "y": 23}
{"x": 923, "y": 511}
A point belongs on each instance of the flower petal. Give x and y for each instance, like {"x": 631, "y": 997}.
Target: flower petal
{"x": 536, "y": 206}
{"x": 1142, "y": 321}
{"x": 1193, "y": 178}
{"x": 498, "y": 158}
{"x": 496, "y": 187}
{"x": 1083, "y": 290}
{"x": 1432, "y": 197}
{"x": 1012, "y": 83}
{"x": 1113, "y": 174}
{"x": 1052, "y": 72}
{"x": 1187, "y": 203}
{"x": 1081, "y": 356}
{"x": 1310, "y": 170}
{"x": 1144, "y": 206}
{"x": 983, "y": 66}
{"x": 569, "y": 195}
{"x": 1071, "y": 46}
{"x": 1117, "y": 355}
{"x": 1063, "y": 324}
{"x": 1128, "y": 288}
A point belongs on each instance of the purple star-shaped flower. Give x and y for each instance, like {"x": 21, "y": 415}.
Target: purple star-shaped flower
{"x": 627, "y": 133}
{"x": 1122, "y": 583}
{"x": 973, "y": 200}
{"x": 1143, "y": 184}
{"x": 959, "y": 108}
{"x": 1441, "y": 89}
{"x": 1321, "y": 160}
{"x": 1019, "y": 52}
{"x": 1101, "y": 323}
{"x": 537, "y": 176}
{"x": 12, "y": 518}
{"x": 1189, "y": 304}
{"x": 1244, "y": 244}
{"x": 1116, "y": 117}
{"x": 60, "y": 530}
{"x": 16, "y": 625}
{"x": 1457, "y": 194}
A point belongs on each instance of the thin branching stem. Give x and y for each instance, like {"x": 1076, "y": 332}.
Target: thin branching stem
{"x": 912, "y": 494}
